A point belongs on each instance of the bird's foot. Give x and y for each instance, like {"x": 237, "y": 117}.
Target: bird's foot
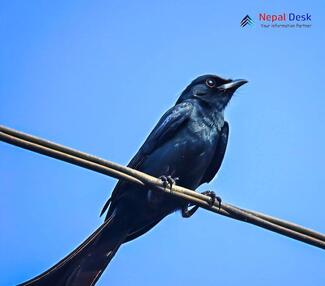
{"x": 168, "y": 181}
{"x": 188, "y": 212}
{"x": 213, "y": 197}
{"x": 154, "y": 198}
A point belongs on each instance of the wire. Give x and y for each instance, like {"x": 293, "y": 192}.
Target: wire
{"x": 117, "y": 171}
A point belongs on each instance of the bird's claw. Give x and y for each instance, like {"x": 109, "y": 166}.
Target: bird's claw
{"x": 213, "y": 197}
{"x": 168, "y": 181}
{"x": 164, "y": 181}
{"x": 188, "y": 212}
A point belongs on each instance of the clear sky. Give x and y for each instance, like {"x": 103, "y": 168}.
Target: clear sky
{"x": 97, "y": 75}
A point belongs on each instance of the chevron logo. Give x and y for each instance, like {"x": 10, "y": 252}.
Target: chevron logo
{"x": 246, "y": 21}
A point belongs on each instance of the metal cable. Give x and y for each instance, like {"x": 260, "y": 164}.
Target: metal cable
{"x": 117, "y": 171}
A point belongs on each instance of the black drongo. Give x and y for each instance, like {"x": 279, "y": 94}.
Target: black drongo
{"x": 188, "y": 143}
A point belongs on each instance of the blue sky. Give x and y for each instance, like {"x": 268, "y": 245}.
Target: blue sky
{"x": 96, "y": 76}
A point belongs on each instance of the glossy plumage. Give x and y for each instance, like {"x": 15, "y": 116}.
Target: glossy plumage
{"x": 188, "y": 142}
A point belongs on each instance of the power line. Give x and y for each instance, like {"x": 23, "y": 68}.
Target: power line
{"x": 117, "y": 171}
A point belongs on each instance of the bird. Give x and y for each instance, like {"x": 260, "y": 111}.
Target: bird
{"x": 186, "y": 147}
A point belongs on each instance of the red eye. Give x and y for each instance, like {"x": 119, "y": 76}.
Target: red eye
{"x": 210, "y": 83}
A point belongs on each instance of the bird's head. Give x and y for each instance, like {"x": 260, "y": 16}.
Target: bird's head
{"x": 211, "y": 89}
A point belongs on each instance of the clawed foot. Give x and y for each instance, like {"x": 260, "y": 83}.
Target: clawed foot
{"x": 213, "y": 197}
{"x": 187, "y": 212}
{"x": 168, "y": 181}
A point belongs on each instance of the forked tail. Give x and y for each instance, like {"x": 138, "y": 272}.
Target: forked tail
{"x": 86, "y": 263}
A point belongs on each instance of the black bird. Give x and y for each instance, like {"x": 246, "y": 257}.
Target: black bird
{"x": 188, "y": 143}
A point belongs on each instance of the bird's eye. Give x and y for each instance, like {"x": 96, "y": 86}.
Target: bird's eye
{"x": 210, "y": 83}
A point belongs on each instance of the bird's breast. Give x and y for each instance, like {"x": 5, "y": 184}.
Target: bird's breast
{"x": 198, "y": 142}
{"x": 186, "y": 155}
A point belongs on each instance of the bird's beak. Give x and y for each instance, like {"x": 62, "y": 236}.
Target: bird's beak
{"x": 232, "y": 85}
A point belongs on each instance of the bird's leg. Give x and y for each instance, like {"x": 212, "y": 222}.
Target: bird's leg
{"x": 187, "y": 212}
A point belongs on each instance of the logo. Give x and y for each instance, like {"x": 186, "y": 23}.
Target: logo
{"x": 246, "y": 21}
{"x": 285, "y": 20}
{"x": 284, "y": 17}
{"x": 278, "y": 20}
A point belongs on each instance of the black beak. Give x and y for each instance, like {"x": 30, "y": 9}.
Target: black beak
{"x": 233, "y": 85}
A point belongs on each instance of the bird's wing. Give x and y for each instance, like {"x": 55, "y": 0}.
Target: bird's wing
{"x": 165, "y": 129}
{"x": 219, "y": 153}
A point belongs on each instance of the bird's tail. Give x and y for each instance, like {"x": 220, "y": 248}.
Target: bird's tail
{"x": 84, "y": 265}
